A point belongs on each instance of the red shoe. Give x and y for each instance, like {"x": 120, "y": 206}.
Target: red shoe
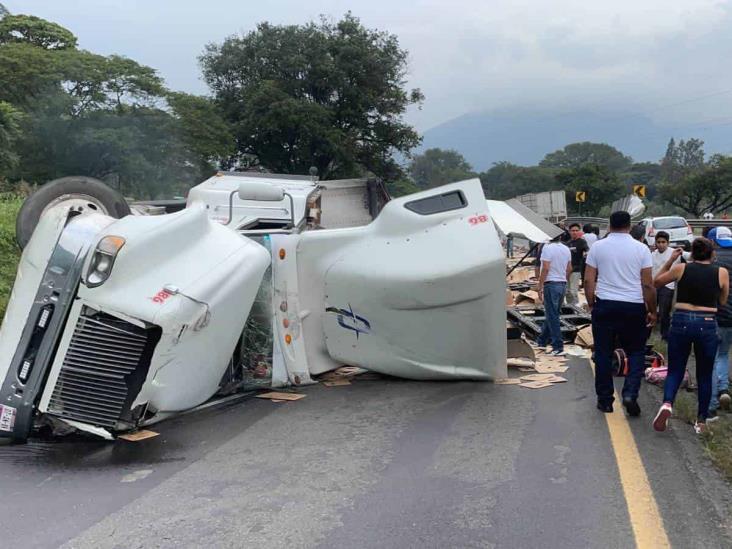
{"x": 661, "y": 421}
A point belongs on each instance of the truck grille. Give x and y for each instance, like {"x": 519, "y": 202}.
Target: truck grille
{"x": 103, "y": 370}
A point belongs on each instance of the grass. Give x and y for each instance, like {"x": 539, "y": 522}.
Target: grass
{"x": 9, "y": 252}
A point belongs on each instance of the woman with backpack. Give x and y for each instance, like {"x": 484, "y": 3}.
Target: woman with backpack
{"x": 700, "y": 288}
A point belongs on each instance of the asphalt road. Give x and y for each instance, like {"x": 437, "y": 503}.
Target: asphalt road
{"x": 379, "y": 463}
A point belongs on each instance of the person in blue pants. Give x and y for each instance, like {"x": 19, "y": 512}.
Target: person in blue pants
{"x": 722, "y": 238}
{"x": 620, "y": 293}
{"x": 701, "y": 287}
{"x": 556, "y": 268}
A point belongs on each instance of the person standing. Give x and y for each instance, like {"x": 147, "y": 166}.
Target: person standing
{"x": 589, "y": 236}
{"x": 722, "y": 238}
{"x": 578, "y": 248}
{"x": 509, "y": 246}
{"x": 700, "y": 288}
{"x": 622, "y": 298}
{"x": 556, "y": 267}
{"x": 664, "y": 294}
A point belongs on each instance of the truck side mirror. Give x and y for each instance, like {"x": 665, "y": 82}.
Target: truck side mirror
{"x": 254, "y": 190}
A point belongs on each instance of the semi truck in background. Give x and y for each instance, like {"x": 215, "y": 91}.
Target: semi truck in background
{"x": 551, "y": 205}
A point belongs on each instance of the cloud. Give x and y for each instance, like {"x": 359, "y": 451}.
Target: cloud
{"x": 466, "y": 55}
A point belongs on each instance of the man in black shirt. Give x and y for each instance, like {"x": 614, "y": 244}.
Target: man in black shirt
{"x": 578, "y": 246}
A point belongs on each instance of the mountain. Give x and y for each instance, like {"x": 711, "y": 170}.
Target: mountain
{"x": 524, "y": 137}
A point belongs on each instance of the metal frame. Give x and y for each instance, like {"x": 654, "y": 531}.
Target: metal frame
{"x": 571, "y": 319}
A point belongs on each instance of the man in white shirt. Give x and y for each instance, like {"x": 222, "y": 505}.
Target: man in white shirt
{"x": 621, "y": 295}
{"x": 589, "y": 235}
{"x": 556, "y": 268}
{"x": 665, "y": 295}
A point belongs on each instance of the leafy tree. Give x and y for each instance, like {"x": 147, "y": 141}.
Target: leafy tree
{"x": 599, "y": 182}
{"x": 26, "y": 72}
{"x": 704, "y": 190}
{"x": 505, "y": 180}
{"x": 643, "y": 173}
{"x": 437, "y": 167}
{"x": 202, "y": 129}
{"x": 329, "y": 95}
{"x": 28, "y": 29}
{"x": 401, "y": 187}
{"x": 9, "y": 133}
{"x": 104, "y": 116}
{"x": 682, "y": 160}
{"x": 577, "y": 155}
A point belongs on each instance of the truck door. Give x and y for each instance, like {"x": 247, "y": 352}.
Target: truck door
{"x": 419, "y": 293}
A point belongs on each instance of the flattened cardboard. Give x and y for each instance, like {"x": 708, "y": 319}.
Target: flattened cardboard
{"x": 550, "y": 368}
{"x": 137, "y": 436}
{"x": 536, "y": 384}
{"x": 520, "y": 363}
{"x": 507, "y": 381}
{"x": 274, "y": 395}
{"x": 537, "y": 377}
{"x": 336, "y": 382}
{"x": 557, "y": 379}
{"x": 584, "y": 338}
{"x": 526, "y": 370}
{"x": 529, "y": 296}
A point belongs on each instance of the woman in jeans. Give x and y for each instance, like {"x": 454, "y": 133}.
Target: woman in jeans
{"x": 700, "y": 288}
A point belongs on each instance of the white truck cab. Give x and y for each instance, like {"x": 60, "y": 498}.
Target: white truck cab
{"x": 262, "y": 281}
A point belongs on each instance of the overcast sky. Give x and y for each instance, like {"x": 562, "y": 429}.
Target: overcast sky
{"x": 668, "y": 59}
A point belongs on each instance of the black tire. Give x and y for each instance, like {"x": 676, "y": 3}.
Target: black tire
{"x": 112, "y": 202}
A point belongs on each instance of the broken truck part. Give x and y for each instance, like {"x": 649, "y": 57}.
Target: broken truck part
{"x": 114, "y": 324}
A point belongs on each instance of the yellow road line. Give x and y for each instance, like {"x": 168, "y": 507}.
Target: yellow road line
{"x": 645, "y": 518}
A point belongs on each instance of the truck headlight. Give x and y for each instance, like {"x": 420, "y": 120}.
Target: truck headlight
{"x": 103, "y": 260}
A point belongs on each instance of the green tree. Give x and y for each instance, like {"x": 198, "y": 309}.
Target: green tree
{"x": 599, "y": 182}
{"x": 329, "y": 95}
{"x": 9, "y": 133}
{"x": 437, "y": 167}
{"x": 506, "y": 180}
{"x": 642, "y": 173}
{"x": 708, "y": 189}
{"x": 203, "y": 129}
{"x": 577, "y": 155}
{"x": 28, "y": 29}
{"x": 104, "y": 116}
{"x": 401, "y": 187}
{"x": 682, "y": 160}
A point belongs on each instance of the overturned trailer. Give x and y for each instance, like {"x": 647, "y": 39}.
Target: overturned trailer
{"x": 118, "y": 323}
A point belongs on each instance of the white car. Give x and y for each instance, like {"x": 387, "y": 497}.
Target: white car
{"x": 115, "y": 323}
{"x": 679, "y": 231}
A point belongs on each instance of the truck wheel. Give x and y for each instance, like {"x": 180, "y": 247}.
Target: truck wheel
{"x": 79, "y": 192}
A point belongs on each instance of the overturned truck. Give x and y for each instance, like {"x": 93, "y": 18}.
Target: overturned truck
{"x": 118, "y": 321}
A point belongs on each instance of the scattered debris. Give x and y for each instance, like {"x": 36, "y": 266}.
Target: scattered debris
{"x": 550, "y": 368}
{"x": 142, "y": 434}
{"x": 537, "y": 377}
{"x": 336, "y": 382}
{"x": 520, "y": 363}
{"x": 584, "y": 337}
{"x": 275, "y": 396}
{"x": 507, "y": 381}
{"x": 557, "y": 379}
{"x": 530, "y": 297}
{"x": 530, "y": 319}
{"x": 536, "y": 384}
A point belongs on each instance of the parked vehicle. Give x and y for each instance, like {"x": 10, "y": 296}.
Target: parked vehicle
{"x": 679, "y": 231}
{"x": 260, "y": 281}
